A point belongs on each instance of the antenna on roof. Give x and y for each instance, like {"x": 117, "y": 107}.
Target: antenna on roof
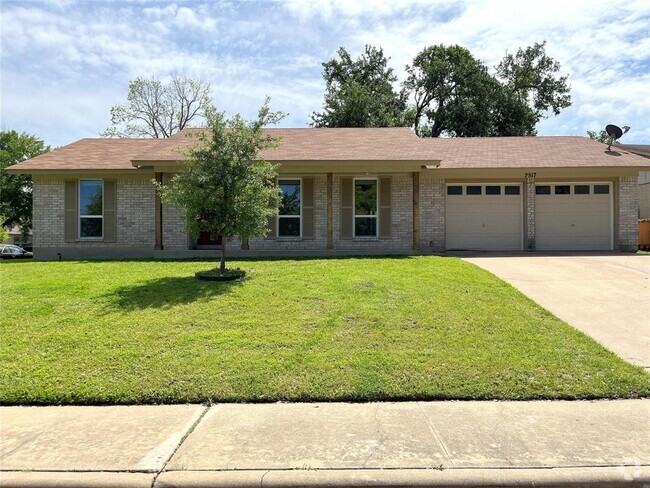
{"x": 615, "y": 132}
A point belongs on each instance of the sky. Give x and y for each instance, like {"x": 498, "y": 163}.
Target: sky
{"x": 64, "y": 63}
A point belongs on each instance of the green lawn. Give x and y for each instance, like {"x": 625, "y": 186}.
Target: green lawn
{"x": 317, "y": 329}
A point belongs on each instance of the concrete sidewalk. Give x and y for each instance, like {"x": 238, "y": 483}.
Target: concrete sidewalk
{"x": 585, "y": 443}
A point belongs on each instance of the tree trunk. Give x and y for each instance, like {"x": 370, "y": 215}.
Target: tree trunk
{"x": 222, "y": 266}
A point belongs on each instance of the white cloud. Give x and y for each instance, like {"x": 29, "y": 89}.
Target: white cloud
{"x": 75, "y": 60}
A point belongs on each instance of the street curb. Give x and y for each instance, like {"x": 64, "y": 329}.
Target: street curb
{"x": 72, "y": 479}
{"x": 602, "y": 477}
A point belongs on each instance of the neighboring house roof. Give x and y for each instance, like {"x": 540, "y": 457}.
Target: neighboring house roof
{"x": 640, "y": 149}
{"x": 353, "y": 144}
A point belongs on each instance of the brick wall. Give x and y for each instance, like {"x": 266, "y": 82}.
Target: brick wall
{"x": 135, "y": 215}
{"x": 628, "y": 210}
{"x": 174, "y": 230}
{"x": 529, "y": 202}
{"x": 432, "y": 214}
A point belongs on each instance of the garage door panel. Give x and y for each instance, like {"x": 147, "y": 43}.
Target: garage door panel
{"x": 484, "y": 222}
{"x": 573, "y": 222}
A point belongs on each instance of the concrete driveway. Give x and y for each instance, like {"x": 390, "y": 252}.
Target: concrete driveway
{"x": 604, "y": 296}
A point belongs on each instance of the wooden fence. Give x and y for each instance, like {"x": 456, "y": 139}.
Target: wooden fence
{"x": 644, "y": 234}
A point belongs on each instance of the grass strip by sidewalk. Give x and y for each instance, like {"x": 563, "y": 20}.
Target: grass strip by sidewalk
{"x": 356, "y": 329}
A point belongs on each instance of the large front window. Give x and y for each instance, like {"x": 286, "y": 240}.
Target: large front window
{"x": 91, "y": 209}
{"x": 289, "y": 211}
{"x": 365, "y": 207}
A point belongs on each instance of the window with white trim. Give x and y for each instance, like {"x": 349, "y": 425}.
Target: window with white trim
{"x": 91, "y": 209}
{"x": 289, "y": 213}
{"x": 365, "y": 207}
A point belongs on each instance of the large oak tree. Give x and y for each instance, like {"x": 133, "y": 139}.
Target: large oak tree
{"x": 360, "y": 92}
{"x": 455, "y": 95}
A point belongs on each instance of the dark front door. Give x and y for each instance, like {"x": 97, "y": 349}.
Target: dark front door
{"x": 205, "y": 240}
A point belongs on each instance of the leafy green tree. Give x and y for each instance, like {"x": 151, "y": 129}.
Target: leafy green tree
{"x": 4, "y": 235}
{"x": 600, "y": 136}
{"x": 531, "y": 76}
{"x": 453, "y": 92}
{"x": 225, "y": 187}
{"x": 360, "y": 92}
{"x": 157, "y": 109}
{"x": 16, "y": 190}
{"x": 455, "y": 95}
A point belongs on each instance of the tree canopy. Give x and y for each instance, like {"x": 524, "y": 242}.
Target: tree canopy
{"x": 157, "y": 109}
{"x": 16, "y": 190}
{"x": 225, "y": 187}
{"x": 455, "y": 95}
{"x": 360, "y": 92}
{"x": 447, "y": 91}
{"x": 601, "y": 136}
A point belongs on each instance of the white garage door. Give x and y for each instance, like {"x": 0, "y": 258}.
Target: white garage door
{"x": 484, "y": 217}
{"x": 573, "y": 216}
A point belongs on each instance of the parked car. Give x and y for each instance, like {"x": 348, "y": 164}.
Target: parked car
{"x": 9, "y": 251}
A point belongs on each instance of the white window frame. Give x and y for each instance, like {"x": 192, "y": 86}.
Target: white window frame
{"x": 354, "y": 208}
{"x": 89, "y": 216}
{"x": 277, "y": 224}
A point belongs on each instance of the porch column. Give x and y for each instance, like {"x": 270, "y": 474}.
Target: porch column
{"x": 158, "y": 217}
{"x": 416, "y": 210}
{"x": 330, "y": 212}
{"x": 529, "y": 202}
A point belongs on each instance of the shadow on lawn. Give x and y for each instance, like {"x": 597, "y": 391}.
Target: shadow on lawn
{"x": 167, "y": 292}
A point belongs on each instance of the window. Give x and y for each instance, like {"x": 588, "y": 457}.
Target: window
{"x": 562, "y": 189}
{"x": 454, "y": 190}
{"x": 91, "y": 209}
{"x": 601, "y": 189}
{"x": 512, "y": 190}
{"x": 493, "y": 190}
{"x": 542, "y": 190}
{"x": 365, "y": 208}
{"x": 581, "y": 190}
{"x": 289, "y": 212}
{"x": 474, "y": 190}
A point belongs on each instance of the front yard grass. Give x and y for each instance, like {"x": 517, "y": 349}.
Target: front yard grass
{"x": 316, "y": 329}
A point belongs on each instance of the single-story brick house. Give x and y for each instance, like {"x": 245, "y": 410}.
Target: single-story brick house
{"x": 361, "y": 191}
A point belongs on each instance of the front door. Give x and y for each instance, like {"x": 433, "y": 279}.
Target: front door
{"x": 207, "y": 241}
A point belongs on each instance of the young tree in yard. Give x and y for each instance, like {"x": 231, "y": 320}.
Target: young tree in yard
{"x": 157, "y": 109}
{"x": 225, "y": 186}
{"x": 16, "y": 190}
{"x": 360, "y": 93}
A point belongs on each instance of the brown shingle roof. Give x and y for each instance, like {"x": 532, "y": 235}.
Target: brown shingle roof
{"x": 529, "y": 152}
{"x": 349, "y": 144}
{"x": 385, "y": 144}
{"x": 89, "y": 154}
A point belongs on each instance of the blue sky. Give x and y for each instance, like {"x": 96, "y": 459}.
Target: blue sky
{"x": 65, "y": 62}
